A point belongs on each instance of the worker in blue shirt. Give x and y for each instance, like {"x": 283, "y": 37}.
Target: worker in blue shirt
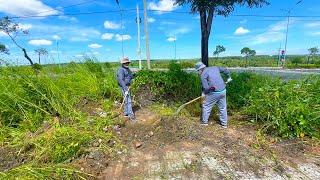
{"x": 124, "y": 78}
{"x": 213, "y": 92}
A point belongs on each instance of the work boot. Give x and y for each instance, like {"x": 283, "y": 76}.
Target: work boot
{"x": 203, "y": 123}
{"x": 133, "y": 119}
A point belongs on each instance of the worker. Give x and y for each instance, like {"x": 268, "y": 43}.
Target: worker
{"x": 282, "y": 59}
{"x": 124, "y": 77}
{"x": 213, "y": 92}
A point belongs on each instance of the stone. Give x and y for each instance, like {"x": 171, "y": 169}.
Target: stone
{"x": 96, "y": 155}
{"x": 138, "y": 144}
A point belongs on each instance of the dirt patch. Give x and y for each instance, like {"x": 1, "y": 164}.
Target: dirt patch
{"x": 166, "y": 147}
{"x": 144, "y": 96}
{"x": 10, "y": 159}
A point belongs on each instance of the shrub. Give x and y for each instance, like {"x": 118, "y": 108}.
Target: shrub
{"x": 288, "y": 109}
{"x": 172, "y": 86}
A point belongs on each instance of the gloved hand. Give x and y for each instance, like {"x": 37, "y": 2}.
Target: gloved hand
{"x": 203, "y": 98}
{"x": 228, "y": 80}
{"x": 126, "y": 93}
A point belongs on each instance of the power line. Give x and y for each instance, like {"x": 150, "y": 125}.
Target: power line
{"x": 70, "y": 14}
{"x": 55, "y": 9}
{"x": 177, "y": 12}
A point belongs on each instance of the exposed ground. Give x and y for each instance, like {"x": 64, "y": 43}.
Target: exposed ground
{"x": 161, "y": 147}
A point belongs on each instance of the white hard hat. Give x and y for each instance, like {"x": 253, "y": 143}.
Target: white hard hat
{"x": 125, "y": 60}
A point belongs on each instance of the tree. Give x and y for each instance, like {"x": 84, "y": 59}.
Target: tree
{"x": 247, "y": 52}
{"x": 41, "y": 51}
{"x": 313, "y": 52}
{"x": 12, "y": 30}
{"x": 3, "y": 49}
{"x": 219, "y": 49}
{"x": 207, "y": 9}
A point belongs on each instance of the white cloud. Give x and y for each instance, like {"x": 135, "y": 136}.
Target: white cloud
{"x": 85, "y": 35}
{"x": 2, "y": 34}
{"x": 313, "y": 24}
{"x": 25, "y": 8}
{"x": 315, "y": 33}
{"x": 241, "y": 31}
{"x": 243, "y": 21}
{"x": 67, "y": 18}
{"x": 274, "y": 33}
{"x": 267, "y": 37}
{"x": 122, "y": 37}
{"x": 95, "y": 46}
{"x": 111, "y": 25}
{"x": 24, "y": 27}
{"x": 56, "y": 37}
{"x": 55, "y": 52}
{"x": 151, "y": 20}
{"x": 40, "y": 42}
{"x": 171, "y": 39}
{"x": 167, "y": 23}
{"x": 163, "y": 6}
{"x": 79, "y": 55}
{"x": 79, "y": 39}
{"x": 107, "y": 36}
{"x": 182, "y": 30}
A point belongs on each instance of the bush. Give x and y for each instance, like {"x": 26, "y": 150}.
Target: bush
{"x": 241, "y": 88}
{"x": 288, "y": 109}
{"x": 174, "y": 85}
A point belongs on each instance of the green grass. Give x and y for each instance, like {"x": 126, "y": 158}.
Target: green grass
{"x": 42, "y": 115}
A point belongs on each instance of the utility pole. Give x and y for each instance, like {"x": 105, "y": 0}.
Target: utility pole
{"x": 121, "y": 22}
{"x": 175, "y": 48}
{"x": 146, "y": 32}
{"x": 139, "y": 48}
{"x": 279, "y": 50}
{"x": 285, "y": 45}
{"x": 288, "y": 21}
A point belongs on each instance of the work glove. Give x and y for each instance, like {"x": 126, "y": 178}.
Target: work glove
{"x": 228, "y": 80}
{"x": 203, "y": 98}
{"x": 126, "y": 93}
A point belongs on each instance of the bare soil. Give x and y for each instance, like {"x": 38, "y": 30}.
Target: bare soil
{"x": 179, "y": 148}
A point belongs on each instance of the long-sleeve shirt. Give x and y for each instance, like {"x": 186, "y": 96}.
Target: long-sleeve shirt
{"x": 124, "y": 77}
{"x": 211, "y": 79}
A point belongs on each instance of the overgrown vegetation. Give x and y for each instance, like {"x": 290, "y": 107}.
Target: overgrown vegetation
{"x": 50, "y": 119}
{"x": 288, "y": 109}
{"x": 43, "y": 116}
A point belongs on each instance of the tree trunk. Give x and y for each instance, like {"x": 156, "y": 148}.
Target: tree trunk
{"x": 27, "y": 57}
{"x": 204, "y": 50}
{"x": 205, "y": 22}
{"x": 39, "y": 58}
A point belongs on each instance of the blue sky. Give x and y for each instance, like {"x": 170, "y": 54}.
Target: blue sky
{"x": 99, "y": 34}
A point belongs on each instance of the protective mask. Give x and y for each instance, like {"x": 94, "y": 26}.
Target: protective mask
{"x": 126, "y": 66}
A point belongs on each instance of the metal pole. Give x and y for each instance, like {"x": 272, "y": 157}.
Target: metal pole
{"x": 139, "y": 48}
{"x": 121, "y": 29}
{"x": 175, "y": 49}
{"x": 146, "y": 33}
{"x": 285, "y": 46}
{"x": 279, "y": 50}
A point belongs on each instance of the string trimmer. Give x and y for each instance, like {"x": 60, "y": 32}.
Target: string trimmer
{"x": 185, "y": 104}
{"x": 120, "y": 109}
